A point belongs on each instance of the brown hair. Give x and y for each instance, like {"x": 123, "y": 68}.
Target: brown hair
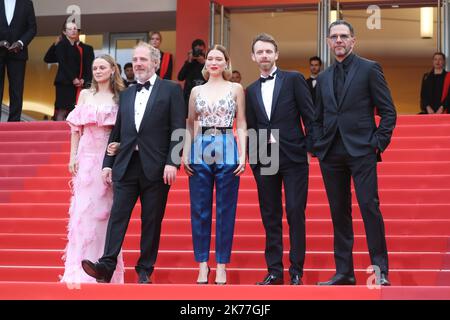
{"x": 228, "y": 70}
{"x": 264, "y": 37}
{"x": 152, "y": 33}
{"x": 439, "y": 54}
{"x": 116, "y": 82}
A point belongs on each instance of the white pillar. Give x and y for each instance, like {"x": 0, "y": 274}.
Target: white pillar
{"x": 323, "y": 22}
{"x": 446, "y": 31}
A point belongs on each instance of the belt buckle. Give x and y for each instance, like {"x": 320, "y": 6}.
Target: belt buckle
{"x": 214, "y": 131}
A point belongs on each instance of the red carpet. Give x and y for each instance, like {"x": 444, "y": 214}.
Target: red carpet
{"x": 414, "y": 183}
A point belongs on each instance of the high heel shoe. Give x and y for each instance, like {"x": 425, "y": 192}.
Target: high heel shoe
{"x": 207, "y": 276}
{"x": 220, "y": 283}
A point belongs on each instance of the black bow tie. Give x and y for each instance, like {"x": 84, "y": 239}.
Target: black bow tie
{"x": 145, "y": 85}
{"x": 262, "y": 79}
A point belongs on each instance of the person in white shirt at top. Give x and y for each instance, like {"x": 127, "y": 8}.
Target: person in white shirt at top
{"x": 17, "y": 30}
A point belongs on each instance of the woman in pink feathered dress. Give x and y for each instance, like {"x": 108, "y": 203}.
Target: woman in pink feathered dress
{"x": 91, "y": 122}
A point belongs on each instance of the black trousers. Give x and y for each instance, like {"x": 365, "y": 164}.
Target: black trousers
{"x": 294, "y": 177}
{"x": 153, "y": 195}
{"x": 338, "y": 167}
{"x": 16, "y": 78}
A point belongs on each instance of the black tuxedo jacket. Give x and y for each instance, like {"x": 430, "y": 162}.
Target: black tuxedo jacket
{"x": 23, "y": 27}
{"x": 291, "y": 105}
{"x": 165, "y": 113}
{"x": 312, "y": 89}
{"x": 365, "y": 91}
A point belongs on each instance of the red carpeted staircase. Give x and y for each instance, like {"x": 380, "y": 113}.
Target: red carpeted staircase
{"x": 414, "y": 184}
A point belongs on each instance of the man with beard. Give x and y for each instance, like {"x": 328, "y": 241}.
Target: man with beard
{"x": 146, "y": 165}
{"x": 278, "y": 102}
{"x": 348, "y": 143}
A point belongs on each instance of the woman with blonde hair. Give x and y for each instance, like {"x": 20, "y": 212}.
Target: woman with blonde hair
{"x": 214, "y": 158}
{"x": 166, "y": 61}
{"x": 91, "y": 122}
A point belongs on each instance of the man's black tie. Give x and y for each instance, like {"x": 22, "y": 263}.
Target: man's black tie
{"x": 140, "y": 86}
{"x": 339, "y": 78}
{"x": 262, "y": 79}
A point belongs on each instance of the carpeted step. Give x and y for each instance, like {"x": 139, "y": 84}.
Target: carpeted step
{"x": 243, "y": 226}
{"x": 35, "y": 136}
{"x": 246, "y": 196}
{"x": 61, "y": 170}
{"x": 240, "y": 242}
{"x": 427, "y": 119}
{"x": 246, "y": 182}
{"x": 239, "y": 259}
{"x": 41, "y": 146}
{"x": 244, "y": 211}
{"x": 234, "y": 276}
{"x": 422, "y": 130}
{"x": 34, "y": 126}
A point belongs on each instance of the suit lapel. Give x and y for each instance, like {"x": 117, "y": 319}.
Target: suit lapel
{"x": 3, "y": 19}
{"x": 17, "y": 11}
{"x": 130, "y": 100}
{"x": 260, "y": 100}
{"x": 150, "y": 102}
{"x": 276, "y": 91}
{"x": 351, "y": 73}
{"x": 331, "y": 84}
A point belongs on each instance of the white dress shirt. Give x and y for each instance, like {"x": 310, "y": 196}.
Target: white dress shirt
{"x": 140, "y": 103}
{"x": 267, "y": 89}
{"x": 267, "y": 92}
{"x": 10, "y": 6}
{"x": 314, "y": 80}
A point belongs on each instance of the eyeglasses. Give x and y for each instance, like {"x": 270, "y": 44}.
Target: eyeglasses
{"x": 344, "y": 37}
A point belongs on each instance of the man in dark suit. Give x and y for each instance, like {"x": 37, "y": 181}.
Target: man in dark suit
{"x": 277, "y": 103}
{"x": 146, "y": 165}
{"x": 315, "y": 64}
{"x": 129, "y": 79}
{"x": 348, "y": 143}
{"x": 17, "y": 29}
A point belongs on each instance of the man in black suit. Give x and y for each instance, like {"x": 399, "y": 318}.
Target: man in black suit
{"x": 348, "y": 143}
{"x": 146, "y": 165}
{"x": 129, "y": 79}
{"x": 17, "y": 29}
{"x": 315, "y": 64}
{"x": 277, "y": 104}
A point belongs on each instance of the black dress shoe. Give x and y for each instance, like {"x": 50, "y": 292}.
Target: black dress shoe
{"x": 296, "y": 280}
{"x": 339, "y": 280}
{"x": 97, "y": 271}
{"x": 271, "y": 279}
{"x": 383, "y": 280}
{"x": 143, "y": 277}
